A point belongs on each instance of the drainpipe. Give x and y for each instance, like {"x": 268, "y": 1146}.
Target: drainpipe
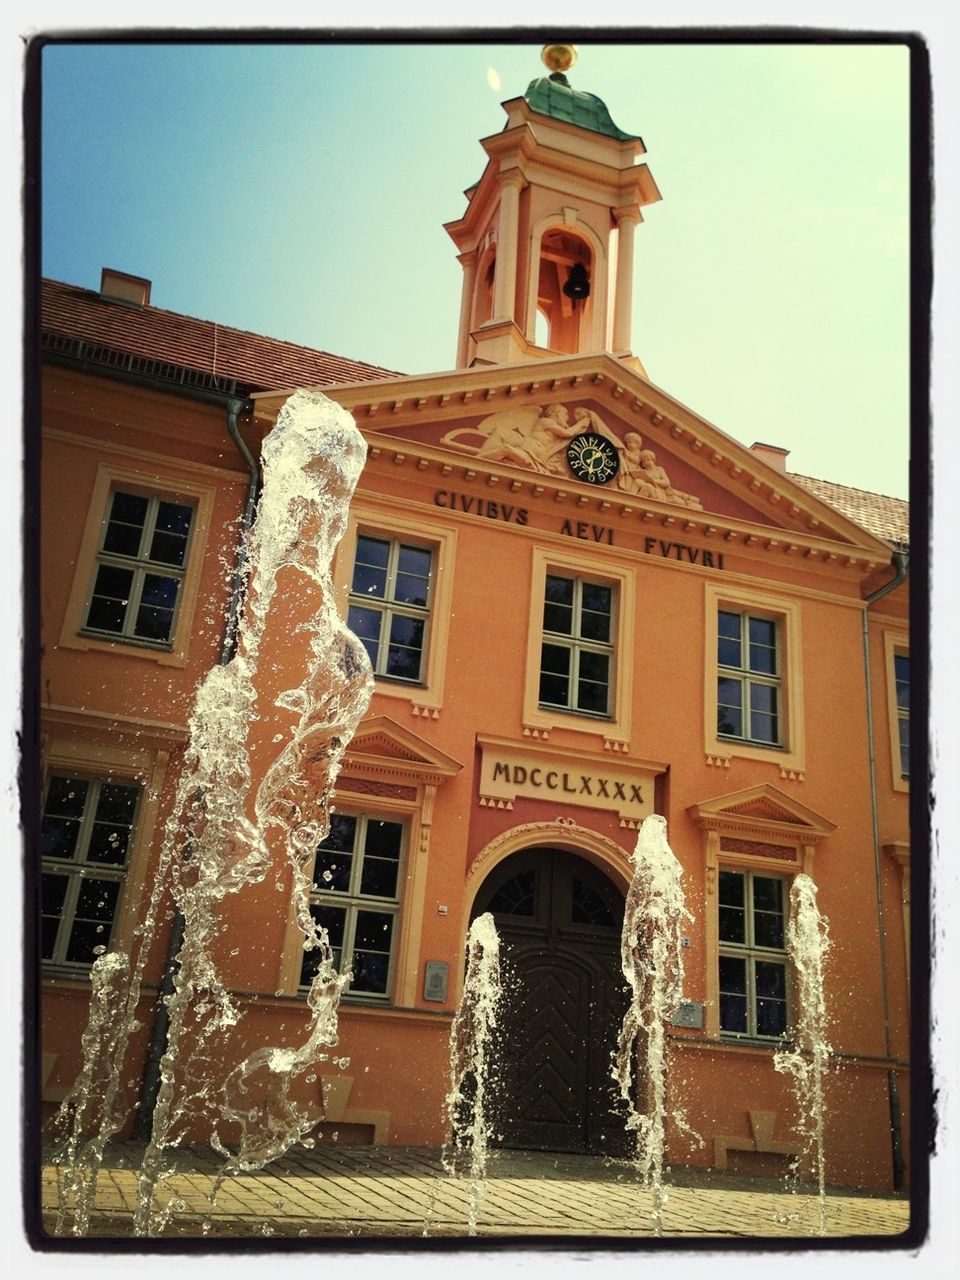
{"x": 150, "y": 1088}
{"x": 900, "y": 565}
{"x": 240, "y": 561}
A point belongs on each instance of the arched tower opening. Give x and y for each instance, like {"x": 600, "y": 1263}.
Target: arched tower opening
{"x": 485, "y": 283}
{"x": 565, "y": 275}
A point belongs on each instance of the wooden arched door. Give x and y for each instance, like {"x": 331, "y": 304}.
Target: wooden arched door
{"x": 559, "y": 920}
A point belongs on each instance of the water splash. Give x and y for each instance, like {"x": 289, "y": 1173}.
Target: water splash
{"x": 651, "y": 957}
{"x": 808, "y": 941}
{"x": 213, "y": 845}
{"x": 471, "y": 1041}
{"x": 256, "y": 1094}
{"x": 89, "y": 1105}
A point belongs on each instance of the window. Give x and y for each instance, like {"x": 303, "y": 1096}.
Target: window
{"x": 581, "y": 641}
{"x": 748, "y": 680}
{"x": 390, "y": 604}
{"x": 139, "y": 568}
{"x": 356, "y": 886}
{"x": 516, "y": 897}
{"x": 576, "y": 654}
{"x": 752, "y": 955}
{"x": 85, "y": 838}
{"x": 901, "y": 673}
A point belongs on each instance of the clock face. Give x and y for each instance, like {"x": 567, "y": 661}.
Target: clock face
{"x": 593, "y": 458}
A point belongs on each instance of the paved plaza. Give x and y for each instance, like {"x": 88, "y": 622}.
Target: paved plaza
{"x": 369, "y": 1193}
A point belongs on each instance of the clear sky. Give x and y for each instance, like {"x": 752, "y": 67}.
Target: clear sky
{"x": 300, "y": 191}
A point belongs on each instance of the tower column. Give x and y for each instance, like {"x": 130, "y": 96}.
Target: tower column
{"x": 505, "y": 279}
{"x": 627, "y": 220}
{"x": 469, "y": 264}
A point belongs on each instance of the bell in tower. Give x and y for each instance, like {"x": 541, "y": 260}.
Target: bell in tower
{"x": 546, "y": 242}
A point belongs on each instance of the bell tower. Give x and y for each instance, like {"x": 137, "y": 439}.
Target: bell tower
{"x": 546, "y": 242}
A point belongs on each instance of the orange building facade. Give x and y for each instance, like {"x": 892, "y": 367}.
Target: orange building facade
{"x": 583, "y": 604}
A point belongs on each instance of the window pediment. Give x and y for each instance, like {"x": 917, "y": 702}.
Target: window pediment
{"x": 385, "y": 747}
{"x": 762, "y": 810}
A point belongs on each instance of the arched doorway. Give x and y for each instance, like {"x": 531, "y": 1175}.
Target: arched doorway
{"x": 559, "y": 919}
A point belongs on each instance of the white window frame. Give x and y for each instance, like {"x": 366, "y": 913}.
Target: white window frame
{"x": 180, "y": 485}
{"x": 747, "y": 678}
{"x": 389, "y": 608}
{"x": 77, "y": 869}
{"x": 896, "y": 645}
{"x": 790, "y": 754}
{"x": 903, "y": 713}
{"x": 139, "y": 565}
{"x": 751, "y": 952}
{"x": 352, "y": 902}
{"x": 576, "y": 644}
{"x": 540, "y": 718}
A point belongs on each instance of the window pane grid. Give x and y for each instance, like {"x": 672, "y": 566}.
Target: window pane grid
{"x": 356, "y": 897}
{"x": 82, "y": 877}
{"x": 576, "y": 652}
{"x": 390, "y": 597}
{"x": 748, "y": 683}
{"x": 901, "y": 669}
{"x": 752, "y": 959}
{"x": 140, "y": 569}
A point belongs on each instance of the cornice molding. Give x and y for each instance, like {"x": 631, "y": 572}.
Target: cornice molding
{"x": 117, "y": 725}
{"x": 663, "y": 422}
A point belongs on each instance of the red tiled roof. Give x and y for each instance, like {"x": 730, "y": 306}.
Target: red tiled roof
{"x": 256, "y": 363}
{"x": 884, "y": 517}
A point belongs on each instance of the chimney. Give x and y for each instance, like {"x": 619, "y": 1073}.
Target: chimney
{"x": 117, "y": 286}
{"x": 772, "y": 455}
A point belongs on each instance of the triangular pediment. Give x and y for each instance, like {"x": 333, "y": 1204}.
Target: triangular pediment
{"x": 510, "y": 425}
{"x": 383, "y": 740}
{"x": 762, "y": 808}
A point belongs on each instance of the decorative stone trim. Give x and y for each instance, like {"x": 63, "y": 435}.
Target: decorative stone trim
{"x": 366, "y": 787}
{"x": 428, "y": 713}
{"x": 532, "y": 731}
{"x": 489, "y": 802}
{"x": 758, "y": 848}
{"x": 762, "y": 1125}
{"x": 718, "y": 762}
{"x": 335, "y": 1094}
{"x": 792, "y": 775}
{"x": 616, "y": 744}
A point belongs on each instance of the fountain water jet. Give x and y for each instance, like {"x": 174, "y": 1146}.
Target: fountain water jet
{"x": 312, "y": 460}
{"x": 270, "y": 1121}
{"x": 89, "y": 1105}
{"x": 808, "y": 941}
{"x": 652, "y": 961}
{"x": 471, "y": 1038}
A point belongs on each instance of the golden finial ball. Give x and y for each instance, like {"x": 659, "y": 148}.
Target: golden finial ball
{"x": 558, "y": 57}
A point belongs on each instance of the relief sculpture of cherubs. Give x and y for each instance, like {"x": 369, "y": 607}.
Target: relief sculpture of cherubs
{"x": 536, "y": 437}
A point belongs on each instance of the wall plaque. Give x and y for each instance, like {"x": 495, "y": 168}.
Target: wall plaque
{"x": 689, "y": 1014}
{"x": 435, "y": 975}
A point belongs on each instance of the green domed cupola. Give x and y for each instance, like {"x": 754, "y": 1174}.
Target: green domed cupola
{"x": 554, "y": 96}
